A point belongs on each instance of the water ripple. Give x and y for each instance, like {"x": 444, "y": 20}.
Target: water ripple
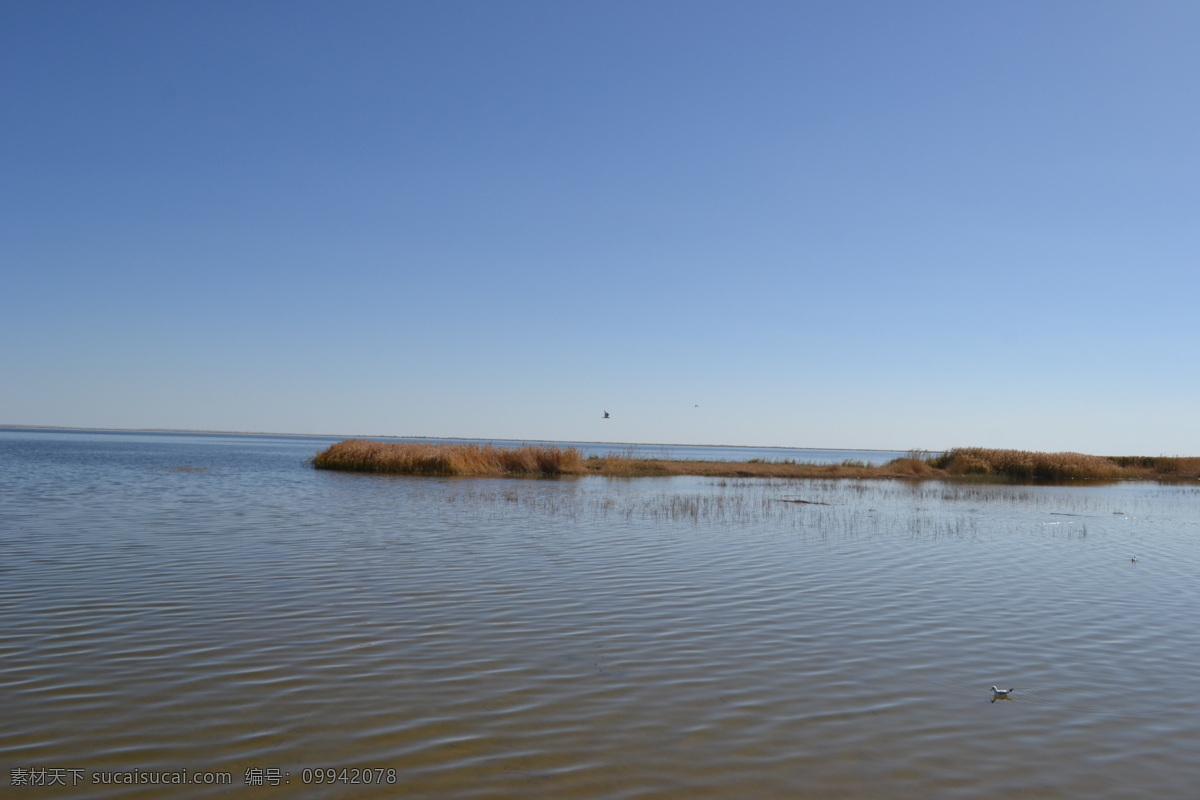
{"x": 678, "y": 637}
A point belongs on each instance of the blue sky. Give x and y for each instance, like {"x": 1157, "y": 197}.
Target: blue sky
{"x": 854, "y": 224}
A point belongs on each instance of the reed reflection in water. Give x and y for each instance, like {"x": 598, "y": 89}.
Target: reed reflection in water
{"x": 588, "y": 638}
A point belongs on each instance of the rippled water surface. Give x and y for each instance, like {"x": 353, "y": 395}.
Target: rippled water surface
{"x": 211, "y": 604}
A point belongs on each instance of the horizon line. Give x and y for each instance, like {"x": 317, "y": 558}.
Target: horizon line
{"x": 4, "y": 426}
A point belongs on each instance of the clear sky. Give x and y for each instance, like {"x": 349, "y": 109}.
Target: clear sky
{"x": 839, "y": 224}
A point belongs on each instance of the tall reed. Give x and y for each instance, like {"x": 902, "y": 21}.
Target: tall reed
{"x": 1027, "y": 465}
{"x": 966, "y": 463}
{"x": 420, "y": 458}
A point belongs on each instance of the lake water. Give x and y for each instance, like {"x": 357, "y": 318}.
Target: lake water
{"x": 210, "y": 605}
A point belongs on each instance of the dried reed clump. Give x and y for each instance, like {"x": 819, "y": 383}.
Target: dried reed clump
{"x": 967, "y": 463}
{"x": 1165, "y": 466}
{"x": 625, "y": 466}
{"x": 1028, "y": 465}
{"x": 917, "y": 467}
{"x": 420, "y": 458}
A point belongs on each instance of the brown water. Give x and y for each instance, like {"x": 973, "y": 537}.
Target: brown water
{"x": 209, "y": 604}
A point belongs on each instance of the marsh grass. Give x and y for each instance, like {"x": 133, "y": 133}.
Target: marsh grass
{"x": 962, "y": 463}
{"x": 419, "y": 458}
{"x": 624, "y": 464}
{"x": 1161, "y": 465}
{"x": 913, "y": 467}
{"x": 1036, "y": 466}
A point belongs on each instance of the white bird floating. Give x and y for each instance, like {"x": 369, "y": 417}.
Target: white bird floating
{"x": 1000, "y": 694}
{"x": 1134, "y": 559}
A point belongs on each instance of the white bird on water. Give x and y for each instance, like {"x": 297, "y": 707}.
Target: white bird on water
{"x": 1133, "y": 560}
{"x": 1000, "y": 694}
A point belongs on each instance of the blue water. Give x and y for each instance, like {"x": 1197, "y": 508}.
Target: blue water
{"x": 210, "y": 603}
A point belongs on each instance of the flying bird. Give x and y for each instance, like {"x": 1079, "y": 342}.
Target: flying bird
{"x": 606, "y": 415}
{"x": 1000, "y": 694}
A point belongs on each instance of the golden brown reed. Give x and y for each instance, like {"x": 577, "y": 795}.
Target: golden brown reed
{"x": 1036, "y": 466}
{"x": 963, "y": 463}
{"x": 418, "y": 458}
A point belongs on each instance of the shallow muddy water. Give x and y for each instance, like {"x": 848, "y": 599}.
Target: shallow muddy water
{"x": 210, "y": 605}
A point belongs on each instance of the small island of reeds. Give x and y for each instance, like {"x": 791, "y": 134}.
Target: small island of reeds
{"x": 961, "y": 463}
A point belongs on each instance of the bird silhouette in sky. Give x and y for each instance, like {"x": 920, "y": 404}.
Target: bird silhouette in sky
{"x": 606, "y": 415}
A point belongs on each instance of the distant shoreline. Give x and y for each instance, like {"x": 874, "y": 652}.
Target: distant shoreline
{"x": 443, "y": 438}
{"x": 971, "y": 463}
